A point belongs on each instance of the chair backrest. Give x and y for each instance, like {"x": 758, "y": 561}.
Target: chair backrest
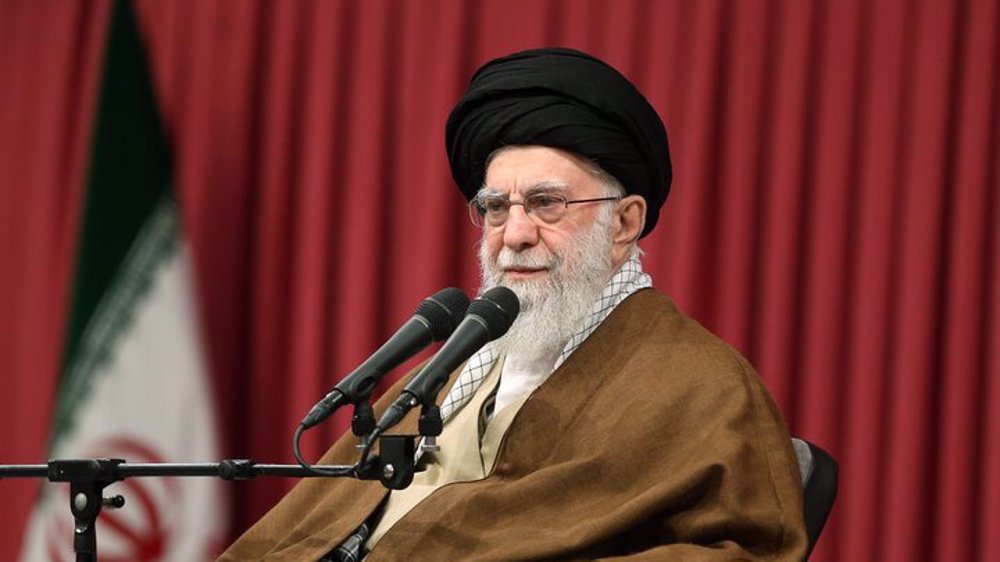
{"x": 819, "y": 486}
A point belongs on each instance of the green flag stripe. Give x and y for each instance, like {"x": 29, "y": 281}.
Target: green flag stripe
{"x": 128, "y": 223}
{"x": 129, "y": 171}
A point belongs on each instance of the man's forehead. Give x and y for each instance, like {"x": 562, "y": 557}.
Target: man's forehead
{"x": 543, "y": 186}
{"x": 538, "y": 168}
{"x": 536, "y": 155}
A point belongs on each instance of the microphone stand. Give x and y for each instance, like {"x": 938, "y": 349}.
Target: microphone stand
{"x": 88, "y": 478}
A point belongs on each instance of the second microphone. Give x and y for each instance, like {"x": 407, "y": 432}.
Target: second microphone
{"x": 488, "y": 318}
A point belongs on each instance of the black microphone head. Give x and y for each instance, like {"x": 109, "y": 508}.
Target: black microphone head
{"x": 498, "y": 308}
{"x": 443, "y": 311}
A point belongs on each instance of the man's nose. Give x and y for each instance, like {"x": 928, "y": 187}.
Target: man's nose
{"x": 520, "y": 232}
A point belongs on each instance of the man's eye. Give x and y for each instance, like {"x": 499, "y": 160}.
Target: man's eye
{"x": 544, "y": 201}
{"x": 495, "y": 205}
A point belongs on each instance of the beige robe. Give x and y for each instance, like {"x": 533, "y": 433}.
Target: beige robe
{"x": 465, "y": 454}
{"x": 654, "y": 440}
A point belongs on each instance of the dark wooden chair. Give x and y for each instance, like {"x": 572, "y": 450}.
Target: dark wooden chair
{"x": 819, "y": 486}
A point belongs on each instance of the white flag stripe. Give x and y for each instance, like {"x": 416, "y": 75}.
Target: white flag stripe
{"x": 146, "y": 400}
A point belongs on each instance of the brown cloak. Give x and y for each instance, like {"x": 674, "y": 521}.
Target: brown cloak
{"x": 654, "y": 440}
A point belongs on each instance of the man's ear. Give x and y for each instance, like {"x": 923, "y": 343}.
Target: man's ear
{"x": 631, "y": 220}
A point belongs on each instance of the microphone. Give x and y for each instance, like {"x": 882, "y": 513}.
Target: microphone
{"x": 434, "y": 320}
{"x": 489, "y": 317}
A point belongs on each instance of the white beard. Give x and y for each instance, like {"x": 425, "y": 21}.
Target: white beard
{"x": 552, "y": 309}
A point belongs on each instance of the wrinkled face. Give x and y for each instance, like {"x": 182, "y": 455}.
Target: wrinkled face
{"x": 526, "y": 250}
{"x": 556, "y": 258}
{"x": 556, "y": 261}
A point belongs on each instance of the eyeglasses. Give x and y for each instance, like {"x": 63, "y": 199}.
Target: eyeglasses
{"x": 549, "y": 208}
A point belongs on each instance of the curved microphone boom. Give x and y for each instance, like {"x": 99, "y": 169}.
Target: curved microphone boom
{"x": 435, "y": 319}
{"x": 489, "y": 317}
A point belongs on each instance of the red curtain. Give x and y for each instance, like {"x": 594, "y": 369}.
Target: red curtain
{"x": 834, "y": 214}
{"x": 49, "y": 58}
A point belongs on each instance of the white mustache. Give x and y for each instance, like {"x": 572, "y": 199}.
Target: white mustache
{"x": 508, "y": 258}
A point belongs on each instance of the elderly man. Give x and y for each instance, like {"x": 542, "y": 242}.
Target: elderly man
{"x": 605, "y": 423}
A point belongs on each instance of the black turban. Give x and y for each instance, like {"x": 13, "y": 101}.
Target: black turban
{"x": 564, "y": 99}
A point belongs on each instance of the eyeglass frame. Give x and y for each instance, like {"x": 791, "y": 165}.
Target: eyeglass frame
{"x": 477, "y": 212}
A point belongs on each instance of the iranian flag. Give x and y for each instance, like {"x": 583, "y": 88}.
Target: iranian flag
{"x": 134, "y": 383}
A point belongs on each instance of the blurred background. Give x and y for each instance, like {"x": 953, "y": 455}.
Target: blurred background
{"x": 833, "y": 215}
